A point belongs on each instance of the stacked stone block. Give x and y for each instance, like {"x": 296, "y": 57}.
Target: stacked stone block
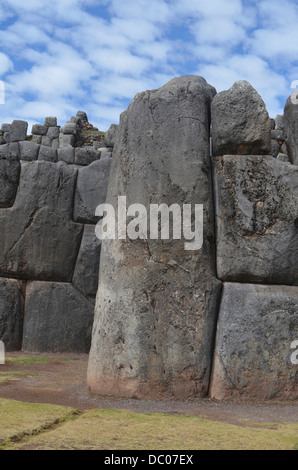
{"x": 160, "y": 327}
{"x": 256, "y": 200}
{"x": 49, "y": 255}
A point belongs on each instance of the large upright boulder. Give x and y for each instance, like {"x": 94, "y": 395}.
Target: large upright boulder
{"x": 156, "y": 303}
{"x": 291, "y": 127}
{"x": 240, "y": 122}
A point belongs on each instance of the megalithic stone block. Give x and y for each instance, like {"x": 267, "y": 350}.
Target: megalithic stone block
{"x": 240, "y": 122}
{"x": 291, "y": 126}
{"x": 156, "y": 303}
{"x": 11, "y": 313}
{"x": 57, "y": 318}
{"x": 39, "y": 240}
{"x": 253, "y": 353}
{"x": 10, "y": 169}
{"x": 256, "y": 199}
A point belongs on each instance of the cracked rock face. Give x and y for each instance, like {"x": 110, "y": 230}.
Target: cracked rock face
{"x": 257, "y": 325}
{"x": 11, "y": 313}
{"x": 291, "y": 128}
{"x": 52, "y": 309}
{"x": 256, "y": 199}
{"x": 39, "y": 239}
{"x": 240, "y": 122}
{"x": 156, "y": 304}
{"x": 9, "y": 178}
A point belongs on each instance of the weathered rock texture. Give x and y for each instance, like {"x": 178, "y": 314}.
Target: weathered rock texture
{"x": 291, "y": 128}
{"x": 256, "y": 219}
{"x": 240, "y": 122}
{"x": 48, "y": 258}
{"x": 256, "y": 326}
{"x": 157, "y": 303}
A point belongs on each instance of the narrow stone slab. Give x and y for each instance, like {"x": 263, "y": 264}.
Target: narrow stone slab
{"x": 11, "y": 313}
{"x": 256, "y": 328}
{"x": 156, "y": 305}
{"x": 256, "y": 199}
{"x": 91, "y": 190}
{"x": 86, "y": 272}
{"x": 291, "y": 127}
{"x": 57, "y": 318}
{"x": 10, "y": 169}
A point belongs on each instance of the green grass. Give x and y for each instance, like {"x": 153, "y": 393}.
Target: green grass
{"x": 118, "y": 430}
{"x": 27, "y": 360}
{"x": 18, "y": 419}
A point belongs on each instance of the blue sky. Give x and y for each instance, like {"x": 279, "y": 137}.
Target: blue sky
{"x": 60, "y": 56}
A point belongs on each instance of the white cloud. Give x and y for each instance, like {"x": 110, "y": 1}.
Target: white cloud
{"x": 5, "y": 63}
{"x": 64, "y": 57}
{"x": 270, "y": 85}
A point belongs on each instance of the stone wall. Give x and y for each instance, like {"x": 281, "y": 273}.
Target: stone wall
{"x": 168, "y": 322}
{"x": 219, "y": 321}
{"x": 50, "y": 185}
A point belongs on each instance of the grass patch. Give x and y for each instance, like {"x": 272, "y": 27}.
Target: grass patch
{"x": 27, "y": 360}
{"x": 118, "y": 430}
{"x": 18, "y": 419}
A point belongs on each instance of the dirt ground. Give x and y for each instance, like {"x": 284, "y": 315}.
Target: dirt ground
{"x": 62, "y": 381}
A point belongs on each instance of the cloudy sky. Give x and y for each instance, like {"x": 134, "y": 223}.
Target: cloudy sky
{"x": 60, "y": 56}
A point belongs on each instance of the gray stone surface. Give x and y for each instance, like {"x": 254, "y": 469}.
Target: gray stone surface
{"x": 86, "y": 155}
{"x": 66, "y": 154}
{"x": 156, "y": 304}
{"x": 66, "y": 140}
{"x": 57, "y": 318}
{"x": 53, "y": 132}
{"x": 70, "y": 128}
{"x": 5, "y": 127}
{"x": 29, "y": 150}
{"x": 256, "y": 327}
{"x": 85, "y": 277}
{"x": 18, "y": 131}
{"x": 9, "y": 177}
{"x": 91, "y": 190}
{"x": 37, "y": 139}
{"x": 11, "y": 313}
{"x": 256, "y": 200}
{"x": 278, "y": 135}
{"x": 82, "y": 115}
{"x": 47, "y": 154}
{"x": 279, "y": 122}
{"x": 39, "y": 129}
{"x": 46, "y": 141}
{"x": 50, "y": 121}
{"x": 111, "y": 135}
{"x": 291, "y": 129}
{"x": 275, "y": 148}
{"x": 240, "y": 122}
{"x": 38, "y": 238}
